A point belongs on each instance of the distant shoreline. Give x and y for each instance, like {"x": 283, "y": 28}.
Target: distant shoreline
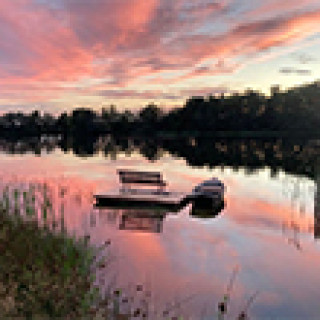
{"x": 251, "y": 114}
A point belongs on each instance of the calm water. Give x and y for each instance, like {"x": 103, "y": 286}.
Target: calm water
{"x": 267, "y": 228}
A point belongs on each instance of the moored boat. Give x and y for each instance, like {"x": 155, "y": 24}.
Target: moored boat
{"x": 207, "y": 192}
{"x": 211, "y": 188}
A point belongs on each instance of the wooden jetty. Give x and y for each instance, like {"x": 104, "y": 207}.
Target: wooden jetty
{"x": 148, "y": 189}
{"x": 142, "y": 198}
{"x": 141, "y": 189}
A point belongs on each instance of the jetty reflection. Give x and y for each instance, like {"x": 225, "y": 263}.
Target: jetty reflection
{"x": 151, "y": 219}
{"x": 142, "y": 220}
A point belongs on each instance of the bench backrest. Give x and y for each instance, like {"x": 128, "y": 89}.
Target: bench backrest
{"x": 141, "y": 177}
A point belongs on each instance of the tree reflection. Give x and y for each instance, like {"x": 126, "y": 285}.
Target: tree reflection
{"x": 291, "y": 155}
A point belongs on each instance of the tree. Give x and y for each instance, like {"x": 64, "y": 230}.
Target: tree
{"x": 149, "y": 118}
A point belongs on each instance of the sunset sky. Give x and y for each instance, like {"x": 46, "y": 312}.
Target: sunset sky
{"x": 60, "y": 54}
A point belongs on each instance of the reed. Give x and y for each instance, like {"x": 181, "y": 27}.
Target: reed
{"x": 44, "y": 271}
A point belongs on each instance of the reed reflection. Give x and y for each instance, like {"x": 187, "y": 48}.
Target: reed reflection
{"x": 317, "y": 202}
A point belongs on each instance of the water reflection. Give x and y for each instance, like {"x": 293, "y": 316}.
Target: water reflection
{"x": 137, "y": 212}
{"x": 292, "y": 155}
{"x": 267, "y": 227}
{"x": 152, "y": 219}
{"x": 141, "y": 220}
{"x": 208, "y": 212}
{"x": 144, "y": 220}
{"x": 317, "y": 201}
{"x": 317, "y": 227}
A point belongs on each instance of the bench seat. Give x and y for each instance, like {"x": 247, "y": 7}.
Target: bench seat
{"x": 128, "y": 177}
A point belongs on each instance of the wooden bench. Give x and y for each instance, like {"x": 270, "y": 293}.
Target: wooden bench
{"x": 131, "y": 177}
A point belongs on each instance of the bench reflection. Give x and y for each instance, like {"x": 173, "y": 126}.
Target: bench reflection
{"x": 142, "y": 220}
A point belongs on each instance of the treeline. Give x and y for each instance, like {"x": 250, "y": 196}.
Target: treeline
{"x": 294, "y": 111}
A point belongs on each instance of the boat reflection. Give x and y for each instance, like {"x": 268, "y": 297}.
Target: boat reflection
{"x": 207, "y": 210}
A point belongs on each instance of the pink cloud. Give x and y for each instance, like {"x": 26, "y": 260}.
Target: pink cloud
{"x": 42, "y": 46}
{"x": 275, "y": 7}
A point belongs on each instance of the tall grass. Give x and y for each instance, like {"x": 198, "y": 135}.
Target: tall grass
{"x": 43, "y": 270}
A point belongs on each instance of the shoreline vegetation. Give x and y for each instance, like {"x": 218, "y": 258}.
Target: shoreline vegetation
{"x": 45, "y": 272}
{"x": 248, "y": 114}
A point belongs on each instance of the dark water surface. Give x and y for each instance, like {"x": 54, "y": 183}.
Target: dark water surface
{"x": 268, "y": 229}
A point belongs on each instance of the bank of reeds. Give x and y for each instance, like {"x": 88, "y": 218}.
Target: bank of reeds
{"x": 44, "y": 272}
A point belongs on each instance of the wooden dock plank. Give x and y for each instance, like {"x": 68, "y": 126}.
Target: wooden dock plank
{"x": 145, "y": 197}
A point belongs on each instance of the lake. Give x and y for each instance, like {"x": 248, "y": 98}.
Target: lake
{"x": 265, "y": 241}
